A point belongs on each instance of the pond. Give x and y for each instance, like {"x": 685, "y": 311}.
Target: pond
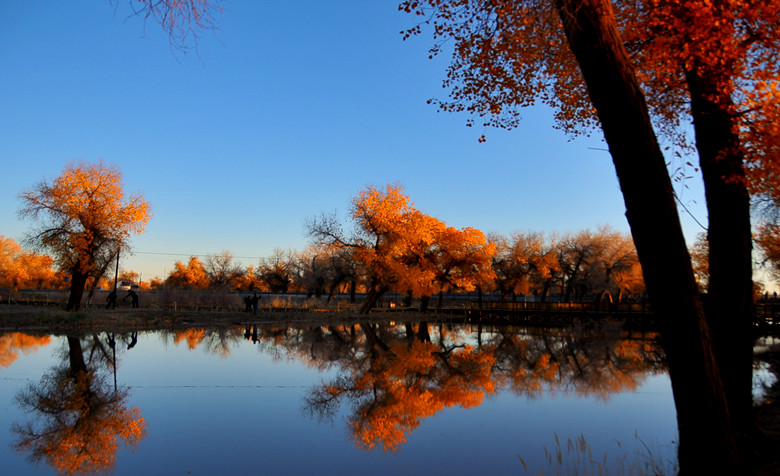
{"x": 377, "y": 398}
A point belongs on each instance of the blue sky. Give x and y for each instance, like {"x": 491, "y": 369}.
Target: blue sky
{"x": 286, "y": 111}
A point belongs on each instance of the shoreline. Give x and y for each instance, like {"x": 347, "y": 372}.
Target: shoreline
{"x": 56, "y": 320}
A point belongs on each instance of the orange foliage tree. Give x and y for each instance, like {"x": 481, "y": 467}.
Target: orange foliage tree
{"x": 622, "y": 67}
{"x": 80, "y": 419}
{"x": 402, "y": 383}
{"x": 20, "y": 269}
{"x": 85, "y": 220}
{"x": 405, "y": 250}
{"x": 192, "y": 275}
{"x": 14, "y": 342}
{"x": 524, "y": 263}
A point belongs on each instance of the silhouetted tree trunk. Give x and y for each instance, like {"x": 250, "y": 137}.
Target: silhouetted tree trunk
{"x": 76, "y": 356}
{"x": 78, "y": 281}
{"x": 423, "y": 333}
{"x": 374, "y": 294}
{"x": 707, "y": 443}
{"x": 372, "y": 339}
{"x": 545, "y": 290}
{"x": 409, "y": 332}
{"x": 424, "y": 302}
{"x": 730, "y": 297}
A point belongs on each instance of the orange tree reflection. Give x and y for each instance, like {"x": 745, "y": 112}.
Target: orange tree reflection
{"x": 394, "y": 385}
{"x": 14, "y": 342}
{"x": 78, "y": 417}
{"x": 395, "y": 376}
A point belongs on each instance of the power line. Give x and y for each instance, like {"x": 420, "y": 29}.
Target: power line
{"x": 162, "y": 253}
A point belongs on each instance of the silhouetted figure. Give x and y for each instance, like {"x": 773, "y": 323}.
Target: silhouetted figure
{"x": 255, "y": 301}
{"x": 133, "y": 340}
{"x": 247, "y": 303}
{"x": 133, "y": 298}
{"x": 111, "y": 300}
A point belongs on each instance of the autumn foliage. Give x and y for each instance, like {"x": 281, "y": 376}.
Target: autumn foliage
{"x": 78, "y": 420}
{"x": 22, "y": 269}
{"x": 14, "y": 342}
{"x": 85, "y": 219}
{"x": 405, "y": 250}
{"x": 394, "y": 377}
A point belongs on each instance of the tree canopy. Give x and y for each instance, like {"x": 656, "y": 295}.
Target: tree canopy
{"x": 84, "y": 219}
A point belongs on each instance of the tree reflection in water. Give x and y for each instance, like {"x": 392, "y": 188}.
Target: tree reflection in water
{"x": 14, "y": 342}
{"x": 394, "y": 377}
{"x": 78, "y": 416}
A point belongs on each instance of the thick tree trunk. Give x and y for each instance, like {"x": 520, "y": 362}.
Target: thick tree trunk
{"x": 424, "y": 302}
{"x": 706, "y": 438}
{"x": 75, "y": 356}
{"x": 730, "y": 293}
{"x": 372, "y": 298}
{"x": 78, "y": 281}
{"x": 423, "y": 333}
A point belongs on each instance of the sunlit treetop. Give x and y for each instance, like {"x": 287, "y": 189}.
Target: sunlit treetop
{"x": 82, "y": 212}
{"x": 509, "y": 54}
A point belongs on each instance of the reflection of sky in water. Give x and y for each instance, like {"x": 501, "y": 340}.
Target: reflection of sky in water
{"x": 242, "y": 414}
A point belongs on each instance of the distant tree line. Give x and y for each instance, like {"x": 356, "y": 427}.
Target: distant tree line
{"x": 393, "y": 247}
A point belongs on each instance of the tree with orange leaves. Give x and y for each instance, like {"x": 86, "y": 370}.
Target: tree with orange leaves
{"x": 79, "y": 419}
{"x": 20, "y": 269}
{"x": 405, "y": 250}
{"x": 16, "y": 341}
{"x": 524, "y": 263}
{"x": 667, "y": 60}
{"x": 85, "y": 220}
{"x": 192, "y": 275}
{"x": 399, "y": 384}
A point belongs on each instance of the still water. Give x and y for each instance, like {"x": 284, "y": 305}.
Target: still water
{"x": 414, "y": 398}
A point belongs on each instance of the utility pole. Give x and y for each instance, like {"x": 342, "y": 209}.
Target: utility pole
{"x": 116, "y": 272}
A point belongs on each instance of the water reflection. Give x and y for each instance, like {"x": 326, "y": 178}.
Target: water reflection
{"x": 14, "y": 342}
{"x": 77, "y": 417}
{"x": 381, "y": 381}
{"x": 394, "y": 377}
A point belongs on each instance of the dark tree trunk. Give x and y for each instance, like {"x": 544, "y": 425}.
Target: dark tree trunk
{"x": 545, "y": 290}
{"x": 409, "y": 331}
{"x": 408, "y": 299}
{"x": 730, "y": 296}
{"x": 78, "y": 281}
{"x": 423, "y": 333}
{"x": 706, "y": 438}
{"x": 76, "y": 356}
{"x": 372, "y": 339}
{"x": 424, "y": 302}
{"x": 372, "y": 298}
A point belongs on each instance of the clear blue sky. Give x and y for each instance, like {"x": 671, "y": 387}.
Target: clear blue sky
{"x": 286, "y": 111}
